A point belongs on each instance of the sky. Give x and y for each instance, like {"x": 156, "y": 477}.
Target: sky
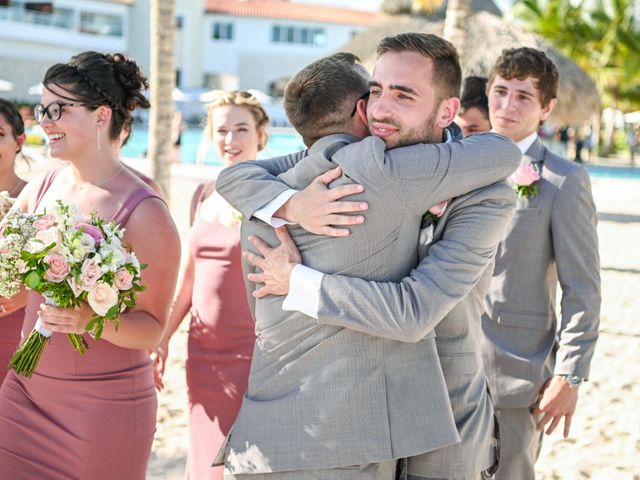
{"x": 373, "y": 5}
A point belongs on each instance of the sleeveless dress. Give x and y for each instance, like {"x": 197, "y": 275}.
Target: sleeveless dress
{"x": 10, "y": 331}
{"x": 86, "y": 416}
{"x": 220, "y": 343}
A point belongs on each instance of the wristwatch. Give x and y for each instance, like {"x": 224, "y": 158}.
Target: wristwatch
{"x": 574, "y": 381}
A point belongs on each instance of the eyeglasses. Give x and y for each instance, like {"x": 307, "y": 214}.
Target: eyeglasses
{"x": 364, "y": 96}
{"x": 53, "y": 111}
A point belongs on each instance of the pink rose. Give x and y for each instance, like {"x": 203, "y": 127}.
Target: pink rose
{"x": 525, "y": 175}
{"x": 92, "y": 230}
{"x": 44, "y": 222}
{"x": 49, "y": 236}
{"x": 102, "y": 297}
{"x": 123, "y": 279}
{"x": 90, "y": 273}
{"x": 58, "y": 268}
{"x": 439, "y": 208}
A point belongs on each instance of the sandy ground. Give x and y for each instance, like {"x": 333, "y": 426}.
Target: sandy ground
{"x": 605, "y": 437}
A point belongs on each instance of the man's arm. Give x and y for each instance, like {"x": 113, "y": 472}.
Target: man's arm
{"x": 249, "y": 186}
{"x": 575, "y": 245}
{"x": 408, "y": 310}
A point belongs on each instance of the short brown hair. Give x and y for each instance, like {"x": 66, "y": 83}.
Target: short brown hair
{"x": 447, "y": 74}
{"x": 319, "y": 99}
{"x": 526, "y": 62}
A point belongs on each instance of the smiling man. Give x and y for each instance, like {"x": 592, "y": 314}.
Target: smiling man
{"x": 535, "y": 362}
{"x": 342, "y": 390}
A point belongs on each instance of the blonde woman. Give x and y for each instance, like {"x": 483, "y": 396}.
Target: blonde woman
{"x": 221, "y": 333}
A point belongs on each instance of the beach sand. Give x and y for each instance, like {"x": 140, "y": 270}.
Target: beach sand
{"x": 605, "y": 438}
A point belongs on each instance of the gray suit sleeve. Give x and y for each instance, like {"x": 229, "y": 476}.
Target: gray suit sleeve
{"x": 249, "y": 186}
{"x": 575, "y": 245}
{"x": 410, "y": 309}
{"x": 425, "y": 174}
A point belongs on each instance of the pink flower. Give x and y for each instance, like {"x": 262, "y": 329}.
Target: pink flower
{"x": 44, "y": 222}
{"x": 525, "y": 175}
{"x": 49, "y": 236}
{"x": 102, "y": 297}
{"x": 76, "y": 288}
{"x": 439, "y": 208}
{"x": 123, "y": 279}
{"x": 58, "y": 268}
{"x": 90, "y": 273}
{"x": 92, "y": 230}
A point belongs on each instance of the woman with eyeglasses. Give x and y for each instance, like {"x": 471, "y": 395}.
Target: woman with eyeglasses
{"x": 12, "y": 138}
{"x": 221, "y": 332}
{"x": 92, "y": 416}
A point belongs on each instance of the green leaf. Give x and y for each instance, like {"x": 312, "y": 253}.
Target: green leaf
{"x": 32, "y": 280}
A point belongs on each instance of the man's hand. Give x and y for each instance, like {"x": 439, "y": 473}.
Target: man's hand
{"x": 276, "y": 264}
{"x": 317, "y": 209}
{"x": 558, "y": 400}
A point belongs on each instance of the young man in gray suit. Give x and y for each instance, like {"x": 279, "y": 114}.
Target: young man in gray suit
{"x": 327, "y": 364}
{"x": 535, "y": 362}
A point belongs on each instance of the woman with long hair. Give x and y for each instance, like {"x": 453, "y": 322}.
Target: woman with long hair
{"x": 221, "y": 332}
{"x": 92, "y": 415}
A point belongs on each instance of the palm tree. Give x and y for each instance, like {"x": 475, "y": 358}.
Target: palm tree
{"x": 162, "y": 81}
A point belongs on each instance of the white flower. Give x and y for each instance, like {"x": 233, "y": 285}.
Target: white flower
{"x": 102, "y": 297}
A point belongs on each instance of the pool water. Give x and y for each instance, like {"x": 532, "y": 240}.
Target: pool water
{"x": 280, "y": 143}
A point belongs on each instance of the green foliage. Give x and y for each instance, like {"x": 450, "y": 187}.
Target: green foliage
{"x": 601, "y": 36}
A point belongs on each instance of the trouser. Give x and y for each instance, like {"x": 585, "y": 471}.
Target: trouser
{"x": 520, "y": 444}
{"x": 371, "y": 471}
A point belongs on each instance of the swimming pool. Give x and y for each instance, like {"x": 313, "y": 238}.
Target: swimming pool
{"x": 280, "y": 143}
{"x": 604, "y": 171}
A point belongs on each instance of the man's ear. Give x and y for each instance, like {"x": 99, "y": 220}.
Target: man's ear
{"x": 546, "y": 111}
{"x": 447, "y": 112}
{"x": 361, "y": 111}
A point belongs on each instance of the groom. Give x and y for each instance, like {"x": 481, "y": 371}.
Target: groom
{"x": 337, "y": 402}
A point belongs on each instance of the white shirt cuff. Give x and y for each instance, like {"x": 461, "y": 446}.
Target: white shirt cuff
{"x": 304, "y": 291}
{"x": 266, "y": 213}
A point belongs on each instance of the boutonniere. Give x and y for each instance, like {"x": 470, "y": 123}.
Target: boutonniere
{"x": 429, "y": 220}
{"x": 525, "y": 180}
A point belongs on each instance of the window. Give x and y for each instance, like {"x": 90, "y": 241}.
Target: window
{"x": 101, "y": 24}
{"x": 299, "y": 35}
{"x": 222, "y": 31}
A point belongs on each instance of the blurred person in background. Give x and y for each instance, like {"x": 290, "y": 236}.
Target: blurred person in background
{"x": 12, "y": 138}
{"x": 221, "y": 332}
{"x": 474, "y": 107}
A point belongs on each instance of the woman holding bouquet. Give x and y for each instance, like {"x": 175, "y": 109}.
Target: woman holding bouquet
{"x": 92, "y": 415}
{"x": 221, "y": 333}
{"x": 12, "y": 138}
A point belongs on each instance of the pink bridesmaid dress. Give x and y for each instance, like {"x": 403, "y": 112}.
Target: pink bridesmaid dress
{"x": 10, "y": 332}
{"x": 79, "y": 417}
{"x": 220, "y": 345}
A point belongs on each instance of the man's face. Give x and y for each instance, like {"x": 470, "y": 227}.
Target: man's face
{"x": 403, "y": 105}
{"x": 514, "y": 107}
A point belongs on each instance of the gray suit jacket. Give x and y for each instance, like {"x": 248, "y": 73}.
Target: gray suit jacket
{"x": 446, "y": 293}
{"x": 552, "y": 239}
{"x": 322, "y": 396}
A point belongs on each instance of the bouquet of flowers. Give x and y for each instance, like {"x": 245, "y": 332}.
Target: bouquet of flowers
{"x": 6, "y": 202}
{"x": 69, "y": 259}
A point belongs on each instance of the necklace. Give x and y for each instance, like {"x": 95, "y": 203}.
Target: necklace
{"x": 103, "y": 182}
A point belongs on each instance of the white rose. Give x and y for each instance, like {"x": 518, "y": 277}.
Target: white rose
{"x": 102, "y": 297}
{"x": 34, "y": 246}
{"x": 49, "y": 236}
{"x": 88, "y": 243}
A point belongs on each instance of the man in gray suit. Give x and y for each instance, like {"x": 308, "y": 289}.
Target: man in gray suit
{"x": 337, "y": 402}
{"x": 534, "y": 362}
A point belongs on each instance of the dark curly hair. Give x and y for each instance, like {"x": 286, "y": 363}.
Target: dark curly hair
{"x": 11, "y": 114}
{"x": 99, "y": 79}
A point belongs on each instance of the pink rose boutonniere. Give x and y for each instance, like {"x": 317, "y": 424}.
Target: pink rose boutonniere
{"x": 525, "y": 180}
{"x": 434, "y": 213}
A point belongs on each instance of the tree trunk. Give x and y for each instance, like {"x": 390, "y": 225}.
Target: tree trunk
{"x": 455, "y": 23}
{"x": 162, "y": 82}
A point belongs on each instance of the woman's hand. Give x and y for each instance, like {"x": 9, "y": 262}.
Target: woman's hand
{"x": 10, "y": 305}
{"x": 66, "y": 320}
{"x": 159, "y": 357}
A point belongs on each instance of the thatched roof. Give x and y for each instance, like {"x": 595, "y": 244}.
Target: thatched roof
{"x": 488, "y": 35}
